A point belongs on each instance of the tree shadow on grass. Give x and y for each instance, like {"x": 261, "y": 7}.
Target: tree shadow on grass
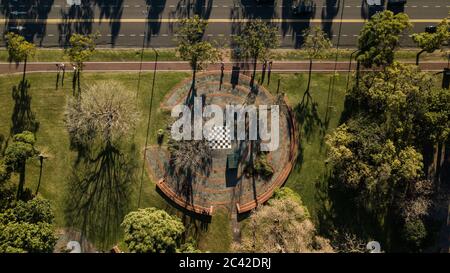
{"x": 307, "y": 115}
{"x": 99, "y": 194}
{"x": 23, "y": 118}
{"x": 309, "y": 122}
{"x": 196, "y": 224}
{"x": 338, "y": 213}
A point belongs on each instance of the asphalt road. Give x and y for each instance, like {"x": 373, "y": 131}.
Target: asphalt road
{"x": 127, "y": 23}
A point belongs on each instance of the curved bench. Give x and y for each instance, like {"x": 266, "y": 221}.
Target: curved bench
{"x": 181, "y": 202}
{"x": 241, "y": 208}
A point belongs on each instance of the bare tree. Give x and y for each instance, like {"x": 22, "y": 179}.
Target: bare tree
{"x": 106, "y": 112}
{"x": 188, "y": 157}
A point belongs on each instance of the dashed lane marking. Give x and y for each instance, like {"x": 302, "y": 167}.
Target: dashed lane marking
{"x": 176, "y": 20}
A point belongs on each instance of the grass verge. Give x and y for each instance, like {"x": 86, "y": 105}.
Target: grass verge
{"x": 169, "y": 54}
{"x": 317, "y": 116}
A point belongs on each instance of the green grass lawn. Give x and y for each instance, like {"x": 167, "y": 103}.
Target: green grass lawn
{"x": 101, "y": 55}
{"x": 134, "y": 55}
{"x": 309, "y": 175}
{"x": 344, "y": 55}
{"x": 48, "y": 106}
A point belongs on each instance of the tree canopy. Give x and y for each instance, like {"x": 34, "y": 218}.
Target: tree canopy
{"x": 413, "y": 110}
{"x": 191, "y": 47}
{"x": 27, "y": 227}
{"x": 283, "y": 226}
{"x": 152, "y": 230}
{"x": 18, "y": 48}
{"x": 19, "y": 150}
{"x": 256, "y": 40}
{"x": 317, "y": 44}
{"x": 377, "y": 154}
{"x": 368, "y": 162}
{"x": 380, "y": 37}
{"x": 81, "y": 48}
{"x": 430, "y": 42}
{"x": 106, "y": 112}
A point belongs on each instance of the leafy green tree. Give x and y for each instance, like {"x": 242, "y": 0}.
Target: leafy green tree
{"x": 436, "y": 116}
{"x": 430, "y": 42}
{"x": 284, "y": 226}
{"x": 255, "y": 42}
{"x": 379, "y": 38}
{"x": 192, "y": 48}
{"x": 188, "y": 247}
{"x": 366, "y": 161}
{"x": 34, "y": 211}
{"x": 19, "y": 50}
{"x": 381, "y": 174}
{"x": 152, "y": 230}
{"x": 16, "y": 155}
{"x": 82, "y": 47}
{"x": 27, "y": 227}
{"x": 4, "y": 173}
{"x": 20, "y": 237}
{"x": 414, "y": 232}
{"x": 317, "y": 46}
{"x": 286, "y": 193}
{"x": 406, "y": 101}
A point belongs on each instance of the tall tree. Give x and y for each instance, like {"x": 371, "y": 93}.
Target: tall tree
{"x": 81, "y": 48}
{"x": 19, "y": 50}
{"x": 317, "y": 46}
{"x": 27, "y": 227}
{"x": 193, "y": 49}
{"x": 380, "y": 37}
{"x": 152, "y": 230}
{"x": 105, "y": 114}
{"x": 283, "y": 226}
{"x": 430, "y": 42}
{"x": 16, "y": 155}
{"x": 255, "y": 42}
{"x": 406, "y": 102}
{"x": 377, "y": 155}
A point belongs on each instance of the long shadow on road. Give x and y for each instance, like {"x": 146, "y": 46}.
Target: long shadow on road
{"x": 66, "y": 29}
{"x": 295, "y": 29}
{"x": 38, "y": 10}
{"x": 111, "y": 9}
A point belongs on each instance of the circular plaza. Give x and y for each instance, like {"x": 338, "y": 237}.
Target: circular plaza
{"x": 228, "y": 183}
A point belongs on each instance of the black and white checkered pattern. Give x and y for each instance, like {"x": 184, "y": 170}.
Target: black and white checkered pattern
{"x": 219, "y": 138}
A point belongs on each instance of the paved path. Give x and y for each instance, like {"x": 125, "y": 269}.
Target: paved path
{"x": 289, "y": 67}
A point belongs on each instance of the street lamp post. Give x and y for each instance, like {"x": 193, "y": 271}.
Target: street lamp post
{"x": 332, "y": 80}
{"x": 41, "y": 158}
{"x": 149, "y": 111}
{"x": 349, "y": 68}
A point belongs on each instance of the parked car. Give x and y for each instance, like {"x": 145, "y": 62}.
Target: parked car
{"x": 264, "y": 1}
{"x": 397, "y": 2}
{"x": 396, "y": 6}
{"x": 374, "y": 6}
{"x": 431, "y": 29}
{"x": 303, "y": 7}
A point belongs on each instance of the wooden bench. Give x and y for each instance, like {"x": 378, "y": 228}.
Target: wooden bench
{"x": 161, "y": 184}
